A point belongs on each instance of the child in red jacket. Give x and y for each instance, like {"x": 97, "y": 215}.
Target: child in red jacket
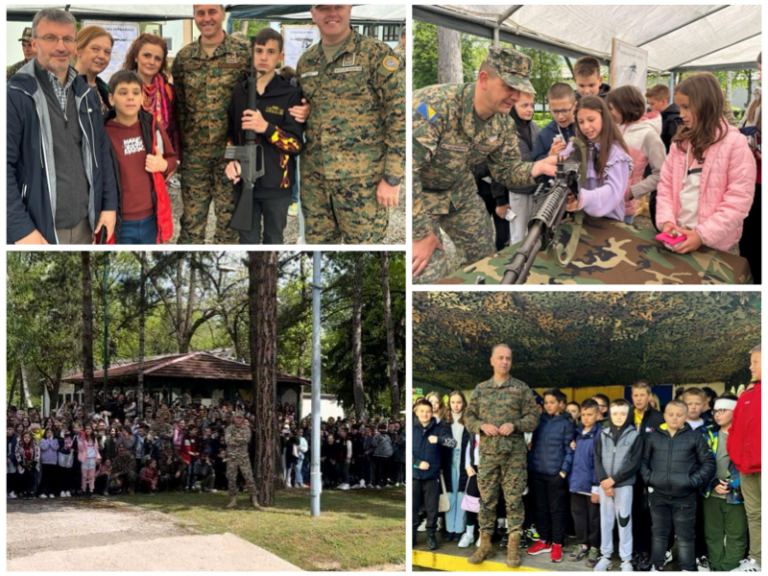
{"x": 744, "y": 451}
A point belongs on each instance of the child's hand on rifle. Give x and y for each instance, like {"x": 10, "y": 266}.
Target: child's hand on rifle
{"x": 254, "y": 121}
{"x": 232, "y": 171}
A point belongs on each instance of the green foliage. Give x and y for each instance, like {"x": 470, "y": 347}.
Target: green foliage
{"x": 473, "y": 51}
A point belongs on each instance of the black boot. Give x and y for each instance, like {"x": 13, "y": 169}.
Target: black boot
{"x": 432, "y": 540}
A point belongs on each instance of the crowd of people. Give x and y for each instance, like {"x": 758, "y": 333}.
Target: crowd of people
{"x": 532, "y": 469}
{"x": 186, "y": 446}
{"x": 104, "y": 178}
{"x": 685, "y": 153}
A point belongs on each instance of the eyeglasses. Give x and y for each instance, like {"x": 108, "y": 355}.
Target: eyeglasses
{"x": 53, "y": 39}
{"x": 560, "y": 112}
{"x": 720, "y": 411}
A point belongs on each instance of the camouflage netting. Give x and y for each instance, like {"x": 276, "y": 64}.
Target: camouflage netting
{"x": 584, "y": 338}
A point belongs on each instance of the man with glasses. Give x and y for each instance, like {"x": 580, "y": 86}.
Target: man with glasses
{"x": 60, "y": 190}
{"x": 29, "y": 53}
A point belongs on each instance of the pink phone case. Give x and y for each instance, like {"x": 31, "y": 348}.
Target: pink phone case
{"x": 670, "y": 240}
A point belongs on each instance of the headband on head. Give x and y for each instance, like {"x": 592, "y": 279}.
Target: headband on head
{"x": 725, "y": 404}
{"x": 619, "y": 408}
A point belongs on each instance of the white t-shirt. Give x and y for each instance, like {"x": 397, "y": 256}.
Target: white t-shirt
{"x": 688, "y": 216}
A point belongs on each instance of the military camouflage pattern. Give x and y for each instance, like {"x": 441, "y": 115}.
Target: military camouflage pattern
{"x": 611, "y": 252}
{"x": 204, "y": 90}
{"x": 237, "y": 438}
{"x": 513, "y": 67}
{"x": 13, "y": 69}
{"x": 503, "y": 459}
{"x": 584, "y": 338}
{"x": 123, "y": 470}
{"x": 343, "y": 211}
{"x": 357, "y": 125}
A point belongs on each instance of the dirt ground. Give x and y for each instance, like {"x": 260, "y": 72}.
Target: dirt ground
{"x": 74, "y": 536}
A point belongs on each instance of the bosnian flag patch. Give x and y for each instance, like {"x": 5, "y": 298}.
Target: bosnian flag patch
{"x": 426, "y": 110}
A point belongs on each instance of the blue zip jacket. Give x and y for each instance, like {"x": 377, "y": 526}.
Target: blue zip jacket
{"x": 424, "y": 451}
{"x": 547, "y": 136}
{"x": 583, "y": 476}
{"x": 551, "y": 452}
{"x": 31, "y": 176}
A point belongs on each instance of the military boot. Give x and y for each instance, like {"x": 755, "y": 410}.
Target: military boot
{"x": 232, "y": 502}
{"x": 255, "y": 502}
{"x": 484, "y": 551}
{"x": 513, "y": 550}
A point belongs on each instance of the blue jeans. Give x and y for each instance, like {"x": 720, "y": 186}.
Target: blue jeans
{"x": 142, "y": 231}
{"x": 295, "y": 193}
{"x": 680, "y": 512}
{"x": 455, "y": 518}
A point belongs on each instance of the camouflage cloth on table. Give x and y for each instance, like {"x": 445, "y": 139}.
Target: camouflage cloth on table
{"x": 355, "y": 133}
{"x": 237, "y": 438}
{"x": 204, "y": 90}
{"x": 503, "y": 459}
{"x": 611, "y": 252}
{"x": 13, "y": 69}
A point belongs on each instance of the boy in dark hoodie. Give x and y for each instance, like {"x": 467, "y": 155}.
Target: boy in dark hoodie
{"x": 618, "y": 454}
{"x": 677, "y": 463}
{"x": 553, "y": 138}
{"x": 428, "y": 437}
{"x": 589, "y": 80}
{"x": 658, "y": 101}
{"x": 280, "y": 135}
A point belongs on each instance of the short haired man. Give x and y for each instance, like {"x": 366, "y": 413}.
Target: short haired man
{"x": 60, "y": 190}
{"x": 29, "y": 53}
{"x": 455, "y": 127}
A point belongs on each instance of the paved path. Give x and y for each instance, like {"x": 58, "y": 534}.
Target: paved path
{"x": 105, "y": 536}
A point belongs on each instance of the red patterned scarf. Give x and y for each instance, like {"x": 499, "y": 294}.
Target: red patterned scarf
{"x": 157, "y": 97}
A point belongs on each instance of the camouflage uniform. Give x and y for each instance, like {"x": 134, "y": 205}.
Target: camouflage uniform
{"x": 237, "y": 438}
{"x": 13, "y": 69}
{"x": 503, "y": 459}
{"x": 355, "y": 136}
{"x": 446, "y": 144}
{"x": 204, "y": 89}
{"x": 124, "y": 471}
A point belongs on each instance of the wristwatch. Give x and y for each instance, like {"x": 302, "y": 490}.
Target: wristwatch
{"x": 392, "y": 180}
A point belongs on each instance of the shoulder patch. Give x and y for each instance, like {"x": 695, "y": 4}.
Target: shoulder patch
{"x": 390, "y": 63}
{"x": 426, "y": 110}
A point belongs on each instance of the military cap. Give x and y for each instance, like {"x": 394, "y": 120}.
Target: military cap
{"x": 514, "y": 67}
{"x": 27, "y": 36}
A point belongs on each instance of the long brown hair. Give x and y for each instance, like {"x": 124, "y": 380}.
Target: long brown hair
{"x": 706, "y": 100}
{"x": 440, "y": 412}
{"x": 608, "y": 135}
{"x": 449, "y": 413}
{"x": 132, "y": 56}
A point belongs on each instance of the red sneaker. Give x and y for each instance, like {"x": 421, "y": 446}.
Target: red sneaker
{"x": 557, "y": 553}
{"x": 540, "y": 547}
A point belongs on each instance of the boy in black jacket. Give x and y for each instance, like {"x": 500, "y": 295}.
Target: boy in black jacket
{"x": 676, "y": 463}
{"x": 280, "y": 135}
{"x": 658, "y": 100}
{"x": 428, "y": 436}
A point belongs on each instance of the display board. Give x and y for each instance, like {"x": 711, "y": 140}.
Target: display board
{"x": 124, "y": 34}
{"x": 296, "y": 39}
{"x": 629, "y": 65}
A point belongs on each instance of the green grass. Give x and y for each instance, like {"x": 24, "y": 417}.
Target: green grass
{"x": 356, "y": 529}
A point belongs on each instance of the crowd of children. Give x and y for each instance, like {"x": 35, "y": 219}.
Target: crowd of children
{"x": 699, "y": 174}
{"x": 685, "y": 478}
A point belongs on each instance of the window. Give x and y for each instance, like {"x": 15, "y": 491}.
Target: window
{"x": 391, "y": 33}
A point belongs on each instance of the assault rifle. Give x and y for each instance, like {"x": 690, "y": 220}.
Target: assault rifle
{"x": 551, "y": 200}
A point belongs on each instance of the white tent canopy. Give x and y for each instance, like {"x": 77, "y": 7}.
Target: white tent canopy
{"x": 676, "y": 37}
{"x": 134, "y": 13}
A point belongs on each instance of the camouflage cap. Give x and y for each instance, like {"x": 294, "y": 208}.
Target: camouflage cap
{"x": 27, "y": 36}
{"x": 514, "y": 67}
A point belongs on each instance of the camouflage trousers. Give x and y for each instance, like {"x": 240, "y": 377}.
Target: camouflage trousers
{"x": 240, "y": 461}
{"x": 347, "y": 211}
{"x": 507, "y": 472}
{"x": 470, "y": 229}
{"x": 203, "y": 180}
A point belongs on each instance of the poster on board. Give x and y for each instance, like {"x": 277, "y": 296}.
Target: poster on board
{"x": 296, "y": 39}
{"x": 124, "y": 34}
{"x": 629, "y": 65}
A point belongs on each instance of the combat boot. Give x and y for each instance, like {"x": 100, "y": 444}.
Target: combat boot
{"x": 232, "y": 502}
{"x": 255, "y": 502}
{"x": 484, "y": 551}
{"x": 513, "y": 550}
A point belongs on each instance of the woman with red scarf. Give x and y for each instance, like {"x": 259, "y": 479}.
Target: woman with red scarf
{"x": 148, "y": 57}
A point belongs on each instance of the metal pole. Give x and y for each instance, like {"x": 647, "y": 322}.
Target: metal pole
{"x": 316, "y": 481}
{"x": 106, "y": 324}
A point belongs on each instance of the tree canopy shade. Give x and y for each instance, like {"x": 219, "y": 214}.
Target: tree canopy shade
{"x": 584, "y": 338}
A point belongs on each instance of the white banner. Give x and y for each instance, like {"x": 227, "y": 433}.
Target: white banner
{"x": 296, "y": 40}
{"x": 629, "y": 66}
{"x": 124, "y": 34}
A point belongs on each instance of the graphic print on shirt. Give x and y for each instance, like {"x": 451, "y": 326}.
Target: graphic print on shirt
{"x": 133, "y": 146}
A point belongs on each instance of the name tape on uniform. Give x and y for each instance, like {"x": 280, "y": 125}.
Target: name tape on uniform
{"x": 308, "y": 74}
{"x": 348, "y": 69}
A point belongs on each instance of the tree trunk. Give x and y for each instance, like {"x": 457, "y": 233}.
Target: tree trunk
{"x": 12, "y": 393}
{"x": 262, "y": 296}
{"x": 87, "y": 335}
{"x": 305, "y": 300}
{"x": 394, "y": 387}
{"x": 749, "y": 90}
{"x": 357, "y": 340}
{"x": 142, "y": 335}
{"x": 449, "y": 66}
{"x": 26, "y": 396}
{"x": 244, "y": 26}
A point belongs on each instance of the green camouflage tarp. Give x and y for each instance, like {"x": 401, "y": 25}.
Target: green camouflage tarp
{"x": 611, "y": 252}
{"x": 592, "y": 338}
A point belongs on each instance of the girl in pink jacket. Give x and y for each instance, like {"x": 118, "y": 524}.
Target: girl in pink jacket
{"x": 707, "y": 183}
{"x": 89, "y": 457}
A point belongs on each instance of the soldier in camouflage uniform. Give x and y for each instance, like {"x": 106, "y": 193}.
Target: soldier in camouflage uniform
{"x": 204, "y": 74}
{"x": 123, "y": 473}
{"x": 237, "y": 436}
{"x": 29, "y": 53}
{"x": 354, "y": 157}
{"x": 456, "y": 126}
{"x": 501, "y": 410}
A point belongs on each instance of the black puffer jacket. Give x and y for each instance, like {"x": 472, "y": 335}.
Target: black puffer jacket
{"x": 676, "y": 466}
{"x": 422, "y": 450}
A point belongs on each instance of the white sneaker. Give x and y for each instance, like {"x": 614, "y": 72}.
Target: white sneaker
{"x": 654, "y": 569}
{"x": 12, "y": 496}
{"x": 667, "y": 557}
{"x": 604, "y": 565}
{"x": 748, "y": 565}
{"x": 214, "y": 491}
{"x": 466, "y": 539}
{"x": 69, "y": 494}
{"x": 362, "y": 483}
{"x": 43, "y": 496}
{"x": 627, "y": 566}
{"x": 702, "y": 564}
{"x": 52, "y": 496}
{"x": 344, "y": 487}
{"x": 63, "y": 494}
{"x": 422, "y": 527}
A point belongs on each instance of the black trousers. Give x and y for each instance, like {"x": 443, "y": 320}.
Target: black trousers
{"x": 550, "y": 493}
{"x": 274, "y": 212}
{"x": 750, "y": 245}
{"x": 500, "y": 224}
{"x": 641, "y": 518}
{"x": 586, "y": 520}
{"x": 426, "y": 493}
{"x": 49, "y": 482}
{"x": 680, "y": 513}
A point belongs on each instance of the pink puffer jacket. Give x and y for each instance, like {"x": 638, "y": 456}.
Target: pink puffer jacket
{"x": 726, "y": 192}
